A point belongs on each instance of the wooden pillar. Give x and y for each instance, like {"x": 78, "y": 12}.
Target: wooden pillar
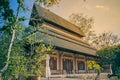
{"x": 86, "y": 64}
{"x": 58, "y": 61}
{"x": 61, "y": 60}
{"x": 86, "y": 59}
{"x": 75, "y": 63}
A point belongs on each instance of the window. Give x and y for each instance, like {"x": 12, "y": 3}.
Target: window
{"x": 81, "y": 65}
{"x": 53, "y": 63}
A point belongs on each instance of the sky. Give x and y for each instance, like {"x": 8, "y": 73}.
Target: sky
{"x": 28, "y": 4}
{"x": 106, "y": 13}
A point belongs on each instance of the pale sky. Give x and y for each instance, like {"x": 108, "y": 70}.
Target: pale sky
{"x": 106, "y": 13}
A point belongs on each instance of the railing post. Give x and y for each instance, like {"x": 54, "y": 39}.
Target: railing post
{"x": 111, "y": 69}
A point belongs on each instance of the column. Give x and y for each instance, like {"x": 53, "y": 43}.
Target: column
{"x": 48, "y": 73}
{"x": 76, "y": 66}
{"x": 58, "y": 61}
{"x": 61, "y": 60}
{"x": 85, "y": 64}
{"x": 74, "y": 63}
{"x": 59, "y": 64}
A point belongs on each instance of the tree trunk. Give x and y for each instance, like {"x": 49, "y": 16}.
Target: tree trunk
{"x": 97, "y": 76}
{"x": 8, "y": 54}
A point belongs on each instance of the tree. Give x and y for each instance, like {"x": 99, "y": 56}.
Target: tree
{"x": 85, "y": 24}
{"x": 106, "y": 55}
{"x": 104, "y": 40}
{"x": 11, "y": 23}
{"x": 93, "y": 65}
{"x": 110, "y": 55}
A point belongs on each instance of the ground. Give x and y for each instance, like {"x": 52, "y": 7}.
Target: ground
{"x": 105, "y": 78}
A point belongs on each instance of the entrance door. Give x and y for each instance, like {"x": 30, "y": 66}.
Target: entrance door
{"x": 68, "y": 65}
{"x": 53, "y": 63}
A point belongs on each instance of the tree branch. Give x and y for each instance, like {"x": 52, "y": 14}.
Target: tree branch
{"x": 11, "y": 43}
{"x": 9, "y": 51}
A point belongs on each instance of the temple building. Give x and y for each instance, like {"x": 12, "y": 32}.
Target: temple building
{"x": 71, "y": 53}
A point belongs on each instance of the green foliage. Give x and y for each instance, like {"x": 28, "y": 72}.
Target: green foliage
{"x": 9, "y": 19}
{"x": 35, "y": 60}
{"x": 15, "y": 56}
{"x": 37, "y": 51}
{"x": 93, "y": 65}
{"x": 16, "y": 67}
{"x": 110, "y": 55}
{"x": 107, "y": 55}
{"x": 5, "y": 11}
{"x": 4, "y": 43}
{"x": 23, "y": 62}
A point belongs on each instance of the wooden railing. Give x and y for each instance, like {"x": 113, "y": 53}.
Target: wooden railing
{"x": 59, "y": 72}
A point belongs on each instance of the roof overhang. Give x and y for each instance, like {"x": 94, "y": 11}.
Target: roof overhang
{"x": 62, "y": 40}
{"x": 54, "y": 19}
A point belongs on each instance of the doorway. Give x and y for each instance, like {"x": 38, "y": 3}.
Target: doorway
{"x": 68, "y": 65}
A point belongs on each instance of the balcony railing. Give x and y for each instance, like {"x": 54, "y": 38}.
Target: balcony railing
{"x": 59, "y": 72}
